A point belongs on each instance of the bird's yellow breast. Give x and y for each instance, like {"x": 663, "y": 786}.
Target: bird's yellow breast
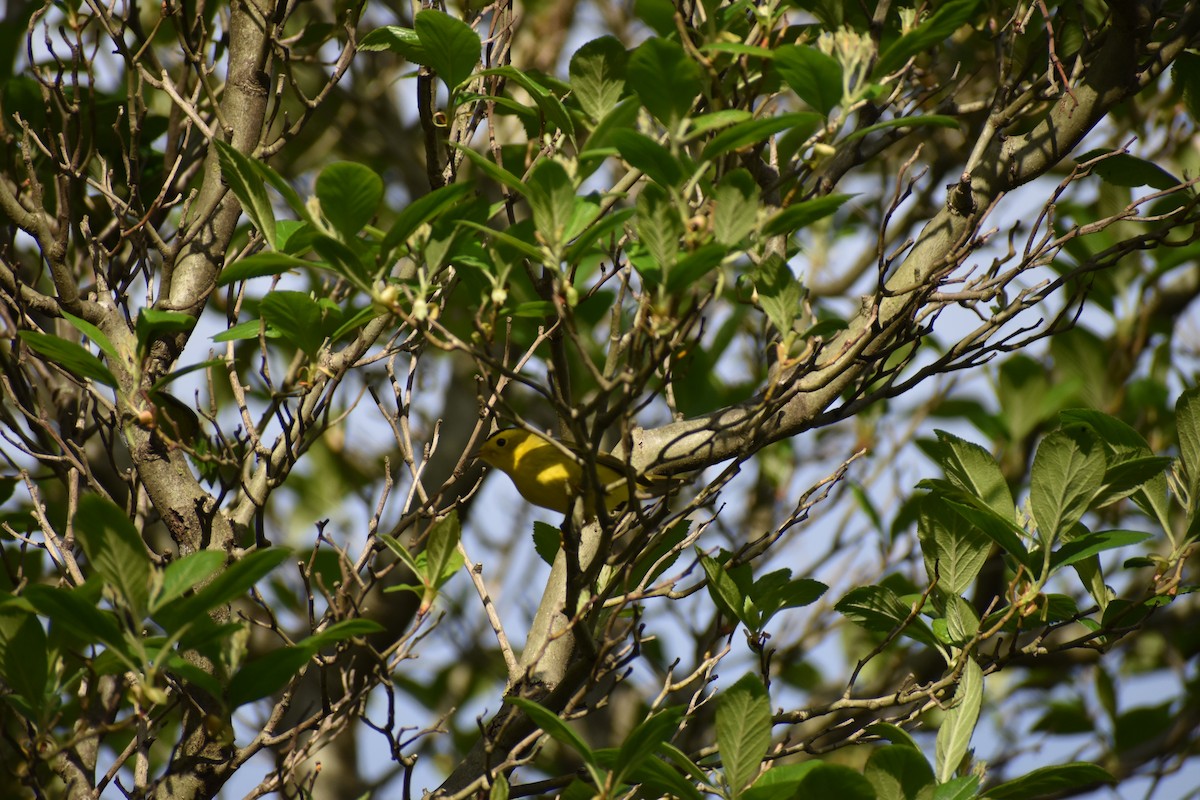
{"x": 545, "y": 475}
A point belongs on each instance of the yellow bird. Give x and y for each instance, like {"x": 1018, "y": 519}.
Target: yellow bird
{"x": 547, "y": 476}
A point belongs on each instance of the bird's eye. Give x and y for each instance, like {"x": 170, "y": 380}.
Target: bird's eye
{"x": 502, "y": 441}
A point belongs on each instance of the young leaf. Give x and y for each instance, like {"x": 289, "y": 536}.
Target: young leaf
{"x": 115, "y": 550}
{"x": 267, "y": 674}
{"x": 185, "y": 573}
{"x": 260, "y": 265}
{"x": 800, "y": 215}
{"x": 649, "y": 156}
{"x": 417, "y": 213}
{"x": 227, "y": 586}
{"x": 743, "y": 730}
{"x": 973, "y": 469}
{"x": 666, "y": 80}
{"x": 954, "y": 549}
{"x": 296, "y": 316}
{"x": 1051, "y": 782}
{"x": 598, "y": 75}
{"x": 948, "y": 18}
{"x": 350, "y": 195}
{"x": 643, "y": 742}
{"x": 244, "y": 179}
{"x": 954, "y": 737}
{"x": 1093, "y": 543}
{"x": 877, "y": 608}
{"x": 815, "y": 77}
{"x": 153, "y": 322}
{"x": 552, "y": 199}
{"x": 25, "y": 665}
{"x": 1068, "y": 470}
{"x": 92, "y": 332}
{"x": 451, "y": 46}
{"x": 735, "y": 207}
{"x": 725, "y": 593}
{"x": 754, "y": 131}
{"x": 72, "y": 357}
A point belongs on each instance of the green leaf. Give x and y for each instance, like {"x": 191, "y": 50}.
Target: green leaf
{"x": 1003, "y": 532}
{"x": 1187, "y": 426}
{"x": 267, "y": 674}
{"x": 547, "y": 539}
{"x": 659, "y": 227}
{"x": 743, "y": 730}
{"x": 95, "y": 334}
{"x": 962, "y": 623}
{"x": 898, "y": 772}
{"x": 937, "y": 27}
{"x": 520, "y": 245}
{"x": 815, "y": 77}
{"x": 260, "y": 265}
{"x": 494, "y": 170}
{"x": 250, "y": 329}
{"x": 649, "y": 156}
{"x": 350, "y": 195}
{"x": 800, "y": 215}
{"x": 644, "y": 741}
{"x": 877, "y": 608}
{"x": 1185, "y": 74}
{"x": 724, "y": 592}
{"x": 115, "y": 550}
{"x": 1068, "y": 470}
{"x": 500, "y": 788}
{"x": 835, "y": 780}
{"x": 24, "y": 662}
{"x": 1122, "y": 169}
{"x": 79, "y": 616}
{"x": 779, "y": 292}
{"x": 1051, "y": 781}
{"x": 687, "y": 271}
{"x": 713, "y": 120}
{"x": 919, "y": 121}
{"x": 1065, "y": 718}
{"x": 666, "y": 80}
{"x": 296, "y": 316}
{"x": 973, "y": 469}
{"x": 735, "y": 207}
{"x": 547, "y": 102}
{"x": 780, "y": 781}
{"x": 755, "y": 131}
{"x": 72, "y": 357}
{"x": 183, "y": 574}
{"x": 417, "y": 213}
{"x": 954, "y": 549}
{"x": 245, "y": 181}
{"x": 954, "y": 736}
{"x": 402, "y": 41}
{"x": 964, "y": 788}
{"x": 551, "y": 197}
{"x": 558, "y": 730}
{"x": 893, "y": 733}
{"x": 442, "y": 558}
{"x": 597, "y": 73}
{"x": 1093, "y": 543}
{"x": 154, "y": 322}
{"x": 451, "y": 47}
{"x": 227, "y": 586}
{"x": 344, "y": 259}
